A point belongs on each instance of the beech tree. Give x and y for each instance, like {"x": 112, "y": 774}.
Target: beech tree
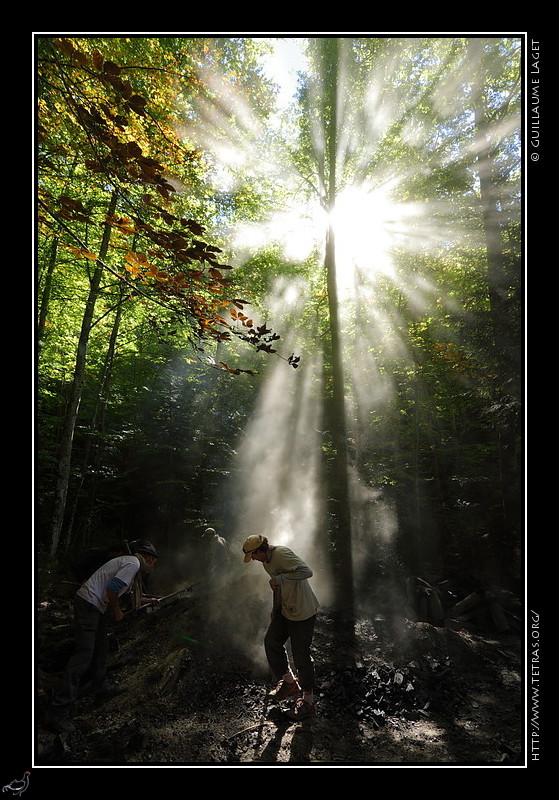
{"x": 93, "y": 122}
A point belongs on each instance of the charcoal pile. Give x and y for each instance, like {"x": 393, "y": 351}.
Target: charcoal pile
{"x": 377, "y": 692}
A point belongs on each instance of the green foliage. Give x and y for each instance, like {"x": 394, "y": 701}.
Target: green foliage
{"x": 432, "y": 393}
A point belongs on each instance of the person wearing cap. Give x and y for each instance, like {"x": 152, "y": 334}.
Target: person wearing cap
{"x": 95, "y": 602}
{"x": 293, "y": 617}
{"x": 217, "y": 550}
{"x": 140, "y": 589}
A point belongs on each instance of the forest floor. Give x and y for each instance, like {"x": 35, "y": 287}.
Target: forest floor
{"x": 390, "y": 692}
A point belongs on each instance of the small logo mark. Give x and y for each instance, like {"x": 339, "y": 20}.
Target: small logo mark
{"x": 18, "y": 787}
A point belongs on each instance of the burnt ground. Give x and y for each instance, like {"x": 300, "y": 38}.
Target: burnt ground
{"x": 390, "y": 692}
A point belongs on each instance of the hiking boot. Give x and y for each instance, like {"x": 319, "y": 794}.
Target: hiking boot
{"x": 302, "y": 710}
{"x": 61, "y": 723}
{"x": 284, "y": 689}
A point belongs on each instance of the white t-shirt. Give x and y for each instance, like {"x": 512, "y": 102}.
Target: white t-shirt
{"x": 94, "y": 590}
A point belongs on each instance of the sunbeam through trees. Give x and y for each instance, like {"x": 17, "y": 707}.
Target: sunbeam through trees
{"x": 283, "y": 298}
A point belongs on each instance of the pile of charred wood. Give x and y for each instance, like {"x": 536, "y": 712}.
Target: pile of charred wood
{"x": 376, "y": 692}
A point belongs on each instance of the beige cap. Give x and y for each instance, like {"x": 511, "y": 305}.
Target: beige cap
{"x": 251, "y": 544}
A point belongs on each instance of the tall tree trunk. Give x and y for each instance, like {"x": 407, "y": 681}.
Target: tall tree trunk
{"x": 497, "y": 279}
{"x": 499, "y": 289}
{"x": 339, "y": 491}
{"x": 45, "y": 298}
{"x": 65, "y": 455}
{"x": 93, "y": 453}
{"x": 335, "y": 414}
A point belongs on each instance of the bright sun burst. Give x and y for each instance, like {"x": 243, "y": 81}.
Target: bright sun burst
{"x": 368, "y": 222}
{"x": 368, "y": 219}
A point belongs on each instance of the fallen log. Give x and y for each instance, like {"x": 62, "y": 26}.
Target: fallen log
{"x": 465, "y": 605}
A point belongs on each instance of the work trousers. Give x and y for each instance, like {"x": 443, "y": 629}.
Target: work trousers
{"x": 300, "y": 635}
{"x": 90, "y": 653}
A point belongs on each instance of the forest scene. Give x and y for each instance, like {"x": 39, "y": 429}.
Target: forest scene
{"x": 279, "y": 293}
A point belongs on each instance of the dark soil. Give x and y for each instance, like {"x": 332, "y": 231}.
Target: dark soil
{"x": 390, "y": 692}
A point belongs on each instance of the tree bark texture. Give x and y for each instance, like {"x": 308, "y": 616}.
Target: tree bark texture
{"x": 67, "y": 439}
{"x": 335, "y": 413}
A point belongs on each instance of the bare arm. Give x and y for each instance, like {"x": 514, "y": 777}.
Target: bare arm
{"x": 114, "y": 605}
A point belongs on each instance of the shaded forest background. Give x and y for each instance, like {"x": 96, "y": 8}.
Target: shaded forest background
{"x": 190, "y": 376}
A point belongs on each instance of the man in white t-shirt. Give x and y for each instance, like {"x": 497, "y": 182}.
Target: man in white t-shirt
{"x": 96, "y": 601}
